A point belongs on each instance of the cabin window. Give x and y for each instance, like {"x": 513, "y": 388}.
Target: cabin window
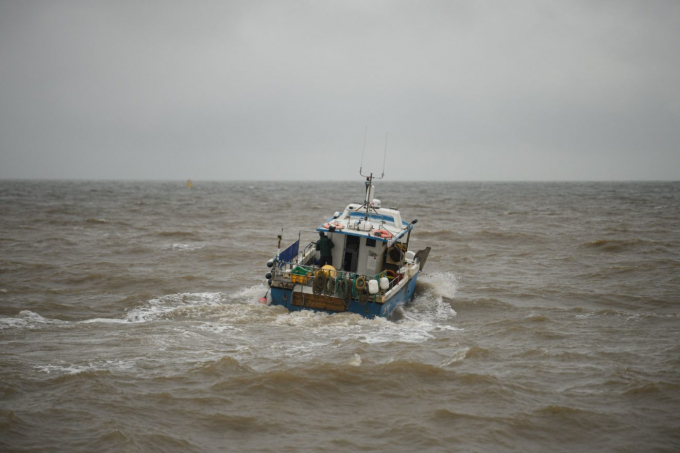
{"x": 370, "y": 242}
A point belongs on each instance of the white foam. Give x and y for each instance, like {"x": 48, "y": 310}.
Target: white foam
{"x": 356, "y": 327}
{"x": 457, "y": 356}
{"x": 31, "y": 316}
{"x": 6, "y": 323}
{"x": 304, "y": 318}
{"x": 443, "y": 284}
{"x": 105, "y": 320}
{"x": 386, "y": 336}
{"x": 406, "y": 331}
{"x": 217, "y": 328}
{"x": 28, "y": 319}
{"x": 76, "y": 369}
{"x": 186, "y": 247}
{"x": 356, "y": 361}
{"x": 430, "y": 306}
{"x": 250, "y": 295}
{"x": 429, "y": 309}
{"x": 157, "y": 308}
{"x": 68, "y": 369}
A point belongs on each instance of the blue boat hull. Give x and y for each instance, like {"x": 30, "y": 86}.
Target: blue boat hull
{"x": 284, "y": 297}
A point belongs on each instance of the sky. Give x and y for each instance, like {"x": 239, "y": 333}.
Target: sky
{"x": 472, "y": 90}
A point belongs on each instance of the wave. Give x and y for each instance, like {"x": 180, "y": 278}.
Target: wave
{"x": 533, "y": 317}
{"x": 451, "y": 416}
{"x": 11, "y": 424}
{"x": 509, "y": 236}
{"x": 96, "y": 221}
{"x": 186, "y": 304}
{"x": 86, "y": 278}
{"x": 243, "y": 424}
{"x": 328, "y": 375}
{"x": 62, "y": 370}
{"x": 428, "y": 313}
{"x": 624, "y": 245}
{"x": 439, "y": 234}
{"x": 180, "y": 234}
{"x": 432, "y": 301}
{"x": 660, "y": 388}
{"x": 441, "y": 284}
{"x": 351, "y": 326}
{"x": 486, "y": 302}
{"x": 625, "y": 315}
{"x": 28, "y": 319}
{"x": 477, "y": 351}
{"x": 224, "y": 365}
{"x": 122, "y": 440}
{"x": 163, "y": 306}
{"x": 185, "y": 247}
{"x": 90, "y": 369}
{"x": 555, "y": 409}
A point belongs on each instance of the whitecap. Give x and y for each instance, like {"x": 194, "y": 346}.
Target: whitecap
{"x": 250, "y": 295}
{"x": 217, "y": 328}
{"x": 61, "y": 369}
{"x": 6, "y": 323}
{"x": 457, "y": 356}
{"x": 105, "y": 320}
{"x": 442, "y": 284}
{"x": 355, "y": 361}
{"x": 28, "y": 319}
{"x": 186, "y": 247}
{"x": 157, "y": 308}
{"x": 102, "y": 365}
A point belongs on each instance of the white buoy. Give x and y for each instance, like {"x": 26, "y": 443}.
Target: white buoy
{"x": 373, "y": 286}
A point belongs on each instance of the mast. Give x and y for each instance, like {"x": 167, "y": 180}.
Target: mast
{"x": 369, "y": 194}
{"x": 369, "y": 179}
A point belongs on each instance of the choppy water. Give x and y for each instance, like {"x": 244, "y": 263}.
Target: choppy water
{"x": 547, "y": 319}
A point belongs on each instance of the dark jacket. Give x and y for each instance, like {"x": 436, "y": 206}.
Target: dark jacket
{"x": 324, "y": 246}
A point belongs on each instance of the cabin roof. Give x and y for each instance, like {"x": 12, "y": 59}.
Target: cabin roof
{"x": 352, "y": 222}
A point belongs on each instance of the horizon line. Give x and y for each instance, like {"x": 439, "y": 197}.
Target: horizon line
{"x": 337, "y": 180}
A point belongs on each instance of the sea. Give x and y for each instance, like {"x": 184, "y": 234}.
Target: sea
{"x": 546, "y": 319}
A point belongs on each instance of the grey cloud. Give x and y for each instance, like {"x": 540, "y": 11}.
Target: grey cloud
{"x": 284, "y": 90}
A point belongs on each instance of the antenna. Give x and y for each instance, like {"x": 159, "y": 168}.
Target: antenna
{"x": 362, "y": 152}
{"x": 384, "y": 156}
{"x": 362, "y": 158}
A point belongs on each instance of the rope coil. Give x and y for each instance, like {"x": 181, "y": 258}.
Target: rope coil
{"x": 344, "y": 289}
{"x": 319, "y": 284}
{"x": 329, "y": 288}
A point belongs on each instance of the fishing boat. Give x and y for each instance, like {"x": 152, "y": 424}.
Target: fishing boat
{"x": 372, "y": 270}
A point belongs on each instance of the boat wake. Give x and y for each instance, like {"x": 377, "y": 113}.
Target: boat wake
{"x": 432, "y": 298}
{"x": 179, "y": 329}
{"x": 430, "y": 308}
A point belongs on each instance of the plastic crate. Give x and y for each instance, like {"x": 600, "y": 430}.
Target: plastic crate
{"x": 299, "y": 278}
{"x": 299, "y": 271}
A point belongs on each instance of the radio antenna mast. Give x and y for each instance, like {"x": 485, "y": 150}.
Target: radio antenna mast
{"x": 384, "y": 156}
{"x": 361, "y": 167}
{"x": 362, "y": 152}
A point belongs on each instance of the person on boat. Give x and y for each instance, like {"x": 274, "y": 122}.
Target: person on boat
{"x": 324, "y": 246}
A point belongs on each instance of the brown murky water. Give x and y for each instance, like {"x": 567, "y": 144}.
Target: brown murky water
{"x": 547, "y": 319}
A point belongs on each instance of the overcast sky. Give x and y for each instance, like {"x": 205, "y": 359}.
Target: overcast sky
{"x": 284, "y": 90}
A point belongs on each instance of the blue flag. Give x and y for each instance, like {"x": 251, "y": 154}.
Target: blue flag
{"x": 290, "y": 253}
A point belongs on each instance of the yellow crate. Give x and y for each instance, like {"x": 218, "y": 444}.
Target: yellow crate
{"x": 298, "y": 278}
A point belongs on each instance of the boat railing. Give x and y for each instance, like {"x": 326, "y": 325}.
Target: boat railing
{"x": 333, "y": 282}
